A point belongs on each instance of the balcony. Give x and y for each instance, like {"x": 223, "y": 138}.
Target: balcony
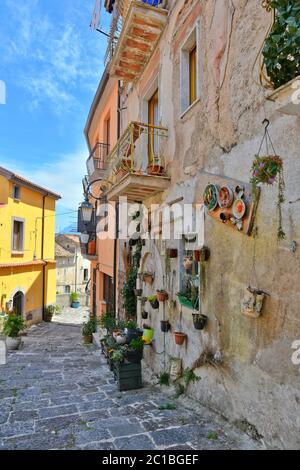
{"x": 135, "y": 31}
{"x": 96, "y": 161}
{"x": 135, "y": 166}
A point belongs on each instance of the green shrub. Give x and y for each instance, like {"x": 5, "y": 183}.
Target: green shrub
{"x": 74, "y": 297}
{"x": 137, "y": 344}
{"x": 108, "y": 321}
{"x": 127, "y": 293}
{"x": 164, "y": 379}
{"x": 89, "y": 327}
{"x": 13, "y": 325}
{"x": 281, "y": 51}
{"x": 130, "y": 324}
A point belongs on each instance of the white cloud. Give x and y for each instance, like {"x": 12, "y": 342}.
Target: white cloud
{"x": 63, "y": 176}
{"x": 52, "y": 58}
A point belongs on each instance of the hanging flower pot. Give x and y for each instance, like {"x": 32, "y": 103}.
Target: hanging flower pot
{"x": 165, "y": 326}
{"x": 172, "y": 253}
{"x": 187, "y": 262}
{"x": 202, "y": 255}
{"x": 179, "y": 338}
{"x": 148, "y": 278}
{"x": 138, "y": 292}
{"x": 145, "y": 315}
{"x": 199, "y": 321}
{"x": 162, "y": 295}
{"x": 148, "y": 334}
{"x": 154, "y": 302}
{"x": 268, "y": 170}
{"x": 210, "y": 196}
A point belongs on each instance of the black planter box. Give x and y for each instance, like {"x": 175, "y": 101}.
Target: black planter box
{"x": 128, "y": 376}
{"x": 134, "y": 357}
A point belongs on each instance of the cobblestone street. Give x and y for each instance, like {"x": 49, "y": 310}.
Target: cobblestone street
{"x": 56, "y": 393}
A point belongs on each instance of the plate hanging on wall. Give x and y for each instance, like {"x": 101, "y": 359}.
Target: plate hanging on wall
{"x": 225, "y": 197}
{"x": 211, "y": 196}
{"x": 239, "y": 209}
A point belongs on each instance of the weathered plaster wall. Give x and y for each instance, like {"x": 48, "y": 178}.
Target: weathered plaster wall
{"x": 221, "y": 133}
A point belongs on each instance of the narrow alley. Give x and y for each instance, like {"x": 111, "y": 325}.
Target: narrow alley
{"x": 56, "y": 393}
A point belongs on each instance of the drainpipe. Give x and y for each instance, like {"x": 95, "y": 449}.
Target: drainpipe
{"x": 42, "y": 256}
{"x": 117, "y": 210}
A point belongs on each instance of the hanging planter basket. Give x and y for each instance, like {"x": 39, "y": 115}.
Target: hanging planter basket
{"x": 199, "y": 321}
{"x": 148, "y": 278}
{"x": 179, "y": 338}
{"x": 268, "y": 170}
{"x": 138, "y": 292}
{"x": 172, "y": 253}
{"x": 162, "y": 296}
{"x": 165, "y": 326}
{"x": 145, "y": 315}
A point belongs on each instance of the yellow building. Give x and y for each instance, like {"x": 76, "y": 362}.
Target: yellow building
{"x": 27, "y": 240}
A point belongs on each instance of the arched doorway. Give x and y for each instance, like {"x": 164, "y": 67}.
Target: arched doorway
{"x": 18, "y": 302}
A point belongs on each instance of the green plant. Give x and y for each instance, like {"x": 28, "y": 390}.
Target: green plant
{"x": 89, "y": 327}
{"x": 74, "y": 297}
{"x": 179, "y": 390}
{"x": 118, "y": 356}
{"x": 13, "y": 325}
{"x": 130, "y": 324}
{"x": 108, "y": 321}
{"x": 127, "y": 293}
{"x": 164, "y": 379}
{"x": 53, "y": 309}
{"x": 189, "y": 376}
{"x": 152, "y": 298}
{"x": 167, "y": 406}
{"x": 281, "y": 48}
{"x": 268, "y": 170}
{"x": 137, "y": 344}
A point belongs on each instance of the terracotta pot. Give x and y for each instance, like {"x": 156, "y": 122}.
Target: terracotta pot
{"x": 162, "y": 296}
{"x": 148, "y": 278}
{"x": 88, "y": 339}
{"x": 204, "y": 251}
{"x": 155, "y": 170}
{"x": 179, "y": 338}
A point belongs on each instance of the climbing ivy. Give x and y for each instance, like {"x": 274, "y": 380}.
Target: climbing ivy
{"x": 128, "y": 296}
{"x": 281, "y": 51}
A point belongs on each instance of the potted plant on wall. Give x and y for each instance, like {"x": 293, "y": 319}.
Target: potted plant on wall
{"x": 148, "y": 278}
{"x": 165, "y": 326}
{"x": 187, "y": 262}
{"x": 199, "y": 321}
{"x": 148, "y": 334}
{"x": 180, "y": 337}
{"x": 162, "y": 295}
{"x": 153, "y": 302}
{"x": 131, "y": 330}
{"x": 12, "y": 328}
{"x": 145, "y": 315}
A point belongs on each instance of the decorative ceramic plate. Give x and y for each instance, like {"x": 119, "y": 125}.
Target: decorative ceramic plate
{"x": 211, "y": 196}
{"x": 239, "y": 209}
{"x": 225, "y": 197}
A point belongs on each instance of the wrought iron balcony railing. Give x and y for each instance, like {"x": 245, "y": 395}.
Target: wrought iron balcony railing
{"x": 96, "y": 161}
{"x": 140, "y": 150}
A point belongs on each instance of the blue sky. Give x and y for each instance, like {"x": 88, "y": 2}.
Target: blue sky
{"x": 51, "y": 62}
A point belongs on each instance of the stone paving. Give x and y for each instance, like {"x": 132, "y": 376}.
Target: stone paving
{"x": 56, "y": 393}
{"x": 72, "y": 316}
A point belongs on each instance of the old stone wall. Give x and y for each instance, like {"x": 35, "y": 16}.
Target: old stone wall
{"x": 255, "y": 382}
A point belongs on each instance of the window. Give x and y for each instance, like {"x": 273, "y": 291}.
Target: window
{"x": 18, "y": 235}
{"x": 189, "y": 70}
{"x": 16, "y": 192}
{"x": 67, "y": 289}
{"x": 193, "y": 75}
{"x": 85, "y": 275}
{"x": 153, "y": 121}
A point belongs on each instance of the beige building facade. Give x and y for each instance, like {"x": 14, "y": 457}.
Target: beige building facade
{"x": 191, "y": 112}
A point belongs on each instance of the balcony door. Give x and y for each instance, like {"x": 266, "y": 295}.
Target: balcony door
{"x": 153, "y": 120}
